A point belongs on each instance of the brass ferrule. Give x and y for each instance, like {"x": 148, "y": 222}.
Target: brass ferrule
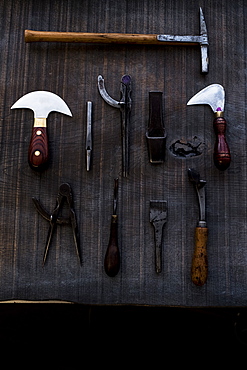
{"x": 39, "y": 122}
{"x": 114, "y": 219}
{"x": 219, "y": 114}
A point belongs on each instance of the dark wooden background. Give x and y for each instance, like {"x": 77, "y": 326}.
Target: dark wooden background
{"x": 71, "y": 70}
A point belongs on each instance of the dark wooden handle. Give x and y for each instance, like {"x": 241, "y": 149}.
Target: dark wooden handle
{"x": 222, "y": 156}
{"x": 199, "y": 270}
{"x": 112, "y": 256}
{"x": 38, "y": 148}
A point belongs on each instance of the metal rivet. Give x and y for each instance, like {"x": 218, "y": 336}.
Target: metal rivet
{"x": 37, "y": 153}
{"x": 38, "y": 132}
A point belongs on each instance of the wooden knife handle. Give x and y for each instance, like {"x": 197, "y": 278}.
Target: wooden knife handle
{"x": 38, "y": 148}
{"x": 112, "y": 256}
{"x": 199, "y": 270}
{"x": 222, "y": 156}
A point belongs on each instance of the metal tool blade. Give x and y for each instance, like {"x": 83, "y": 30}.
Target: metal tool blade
{"x": 89, "y": 134}
{"x": 101, "y": 86}
{"x": 199, "y": 184}
{"x": 213, "y": 95}
{"x": 125, "y": 110}
{"x": 115, "y": 199}
{"x": 48, "y": 241}
{"x": 158, "y": 217}
{"x": 42, "y": 103}
{"x": 75, "y": 234}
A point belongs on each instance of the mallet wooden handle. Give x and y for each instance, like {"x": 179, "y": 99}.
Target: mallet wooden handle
{"x": 38, "y": 148}
{"x": 112, "y": 256}
{"x": 199, "y": 270}
{"x": 222, "y": 156}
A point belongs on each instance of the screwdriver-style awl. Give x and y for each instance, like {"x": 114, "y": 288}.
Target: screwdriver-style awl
{"x": 112, "y": 256}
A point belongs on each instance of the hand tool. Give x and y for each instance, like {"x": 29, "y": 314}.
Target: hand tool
{"x": 158, "y": 217}
{"x": 156, "y": 134}
{"x": 65, "y": 193}
{"x": 41, "y": 103}
{"x": 125, "y": 108}
{"x": 199, "y": 269}
{"x": 214, "y": 95}
{"x": 126, "y": 38}
{"x": 112, "y": 256}
{"x": 89, "y": 141}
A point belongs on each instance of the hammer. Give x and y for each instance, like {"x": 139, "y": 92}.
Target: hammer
{"x": 127, "y": 38}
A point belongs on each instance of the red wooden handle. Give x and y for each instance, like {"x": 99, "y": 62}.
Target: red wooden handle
{"x": 38, "y": 148}
{"x": 112, "y": 256}
{"x": 199, "y": 269}
{"x": 222, "y": 156}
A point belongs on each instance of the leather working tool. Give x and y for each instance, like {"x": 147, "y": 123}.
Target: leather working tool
{"x": 158, "y": 217}
{"x": 125, "y": 108}
{"x": 89, "y": 141}
{"x": 112, "y": 256}
{"x": 199, "y": 269}
{"x": 41, "y": 103}
{"x": 214, "y": 95}
{"x": 126, "y": 38}
{"x": 65, "y": 193}
{"x": 156, "y": 134}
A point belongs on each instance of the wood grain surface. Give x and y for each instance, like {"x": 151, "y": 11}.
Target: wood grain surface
{"x": 71, "y": 71}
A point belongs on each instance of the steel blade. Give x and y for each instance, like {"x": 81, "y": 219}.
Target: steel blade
{"x": 42, "y": 103}
{"x": 101, "y": 86}
{"x": 213, "y": 95}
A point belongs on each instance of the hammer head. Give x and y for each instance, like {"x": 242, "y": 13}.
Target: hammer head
{"x": 42, "y": 103}
{"x": 204, "y": 44}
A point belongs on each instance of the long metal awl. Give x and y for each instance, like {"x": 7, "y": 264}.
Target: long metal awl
{"x": 89, "y": 141}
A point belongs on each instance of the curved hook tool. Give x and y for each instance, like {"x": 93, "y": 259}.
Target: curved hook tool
{"x": 125, "y": 107}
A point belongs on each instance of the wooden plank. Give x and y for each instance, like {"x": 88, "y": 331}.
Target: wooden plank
{"x": 71, "y": 70}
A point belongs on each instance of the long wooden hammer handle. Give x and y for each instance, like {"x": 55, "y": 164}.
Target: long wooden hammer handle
{"x": 103, "y": 38}
{"x": 111, "y": 38}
